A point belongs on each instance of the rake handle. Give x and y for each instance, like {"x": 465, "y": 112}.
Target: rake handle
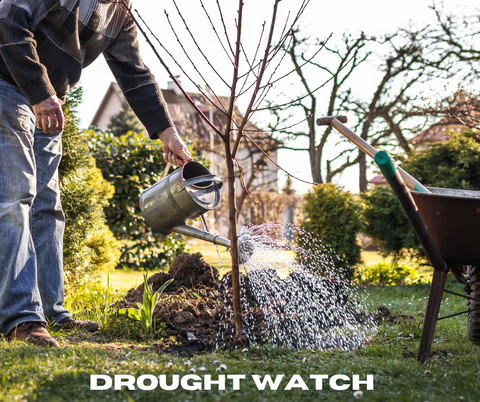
{"x": 336, "y": 123}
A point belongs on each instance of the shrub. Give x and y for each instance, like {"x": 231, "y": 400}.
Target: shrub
{"x": 451, "y": 164}
{"x": 387, "y": 224}
{"x": 332, "y": 215}
{"x": 88, "y": 243}
{"x": 132, "y": 163}
{"x": 387, "y": 274}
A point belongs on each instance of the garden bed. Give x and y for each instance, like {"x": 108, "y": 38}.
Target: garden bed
{"x": 196, "y": 309}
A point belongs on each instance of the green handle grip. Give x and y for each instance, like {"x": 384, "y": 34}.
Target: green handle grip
{"x": 382, "y": 159}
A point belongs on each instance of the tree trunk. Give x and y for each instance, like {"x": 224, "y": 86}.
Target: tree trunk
{"x": 237, "y": 307}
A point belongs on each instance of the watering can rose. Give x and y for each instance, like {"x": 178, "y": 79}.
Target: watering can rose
{"x": 193, "y": 382}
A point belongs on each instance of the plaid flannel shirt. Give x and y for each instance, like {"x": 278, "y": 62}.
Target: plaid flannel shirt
{"x": 45, "y": 44}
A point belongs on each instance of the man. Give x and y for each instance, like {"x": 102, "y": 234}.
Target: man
{"x": 44, "y": 45}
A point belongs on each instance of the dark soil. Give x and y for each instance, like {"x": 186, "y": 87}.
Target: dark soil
{"x": 196, "y": 307}
{"x": 197, "y": 311}
{"x": 384, "y": 314}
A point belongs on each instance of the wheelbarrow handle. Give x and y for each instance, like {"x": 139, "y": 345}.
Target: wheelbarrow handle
{"x": 336, "y": 123}
{"x": 382, "y": 159}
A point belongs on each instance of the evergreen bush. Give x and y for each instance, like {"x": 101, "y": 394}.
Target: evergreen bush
{"x": 386, "y": 223}
{"x": 384, "y": 273}
{"x": 88, "y": 243}
{"x": 451, "y": 164}
{"x": 132, "y": 163}
{"x": 332, "y": 215}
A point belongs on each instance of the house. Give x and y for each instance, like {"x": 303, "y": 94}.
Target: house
{"x": 258, "y": 172}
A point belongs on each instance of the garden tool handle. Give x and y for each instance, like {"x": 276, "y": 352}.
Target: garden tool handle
{"x": 336, "y": 123}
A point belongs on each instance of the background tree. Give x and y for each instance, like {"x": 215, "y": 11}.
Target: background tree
{"x": 408, "y": 62}
{"x": 124, "y": 121}
{"x": 88, "y": 243}
{"x": 348, "y": 56}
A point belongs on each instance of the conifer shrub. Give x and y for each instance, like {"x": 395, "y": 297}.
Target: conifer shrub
{"x": 332, "y": 215}
{"x": 386, "y": 223}
{"x": 89, "y": 245}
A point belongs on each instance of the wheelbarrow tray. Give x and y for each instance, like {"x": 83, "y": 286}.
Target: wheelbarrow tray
{"x": 452, "y": 218}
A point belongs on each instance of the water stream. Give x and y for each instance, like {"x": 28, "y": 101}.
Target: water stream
{"x": 306, "y": 302}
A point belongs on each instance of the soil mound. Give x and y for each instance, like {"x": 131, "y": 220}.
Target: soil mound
{"x": 189, "y": 270}
{"x": 196, "y": 308}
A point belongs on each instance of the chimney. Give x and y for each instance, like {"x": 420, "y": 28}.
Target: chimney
{"x": 171, "y": 85}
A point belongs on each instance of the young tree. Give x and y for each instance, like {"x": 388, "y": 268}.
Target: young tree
{"x": 254, "y": 72}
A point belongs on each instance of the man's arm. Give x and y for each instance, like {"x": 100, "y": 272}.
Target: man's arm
{"x": 18, "y": 47}
{"x": 144, "y": 95}
{"x": 136, "y": 81}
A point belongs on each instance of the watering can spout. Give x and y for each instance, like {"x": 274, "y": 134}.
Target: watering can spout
{"x": 245, "y": 244}
{"x": 191, "y": 231}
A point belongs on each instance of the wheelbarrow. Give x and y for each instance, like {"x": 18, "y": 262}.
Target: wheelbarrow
{"x": 447, "y": 224}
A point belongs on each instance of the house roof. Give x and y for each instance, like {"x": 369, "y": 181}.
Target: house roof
{"x": 182, "y": 112}
{"x": 436, "y": 133}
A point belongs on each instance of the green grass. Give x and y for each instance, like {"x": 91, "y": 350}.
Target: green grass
{"x": 29, "y": 373}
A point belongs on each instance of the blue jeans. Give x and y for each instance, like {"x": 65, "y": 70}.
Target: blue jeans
{"x": 31, "y": 217}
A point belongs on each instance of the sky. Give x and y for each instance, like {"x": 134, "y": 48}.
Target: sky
{"x": 320, "y": 19}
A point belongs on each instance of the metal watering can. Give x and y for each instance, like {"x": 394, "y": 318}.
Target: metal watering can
{"x": 186, "y": 194}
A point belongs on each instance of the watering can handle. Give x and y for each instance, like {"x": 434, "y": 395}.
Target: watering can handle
{"x": 165, "y": 172}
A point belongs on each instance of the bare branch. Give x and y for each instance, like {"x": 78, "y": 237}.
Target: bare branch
{"x": 172, "y": 76}
{"x": 196, "y": 44}
{"x": 275, "y": 163}
{"x": 212, "y": 25}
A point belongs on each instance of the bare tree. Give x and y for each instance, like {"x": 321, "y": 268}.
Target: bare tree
{"x": 254, "y": 72}
{"x": 406, "y": 61}
{"x": 348, "y": 57}
{"x": 457, "y": 36}
{"x": 462, "y": 108}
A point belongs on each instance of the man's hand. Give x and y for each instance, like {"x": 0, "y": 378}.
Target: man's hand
{"x": 175, "y": 150}
{"x": 49, "y": 115}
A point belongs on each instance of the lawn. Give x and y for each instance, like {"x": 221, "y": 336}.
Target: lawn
{"x": 29, "y": 373}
